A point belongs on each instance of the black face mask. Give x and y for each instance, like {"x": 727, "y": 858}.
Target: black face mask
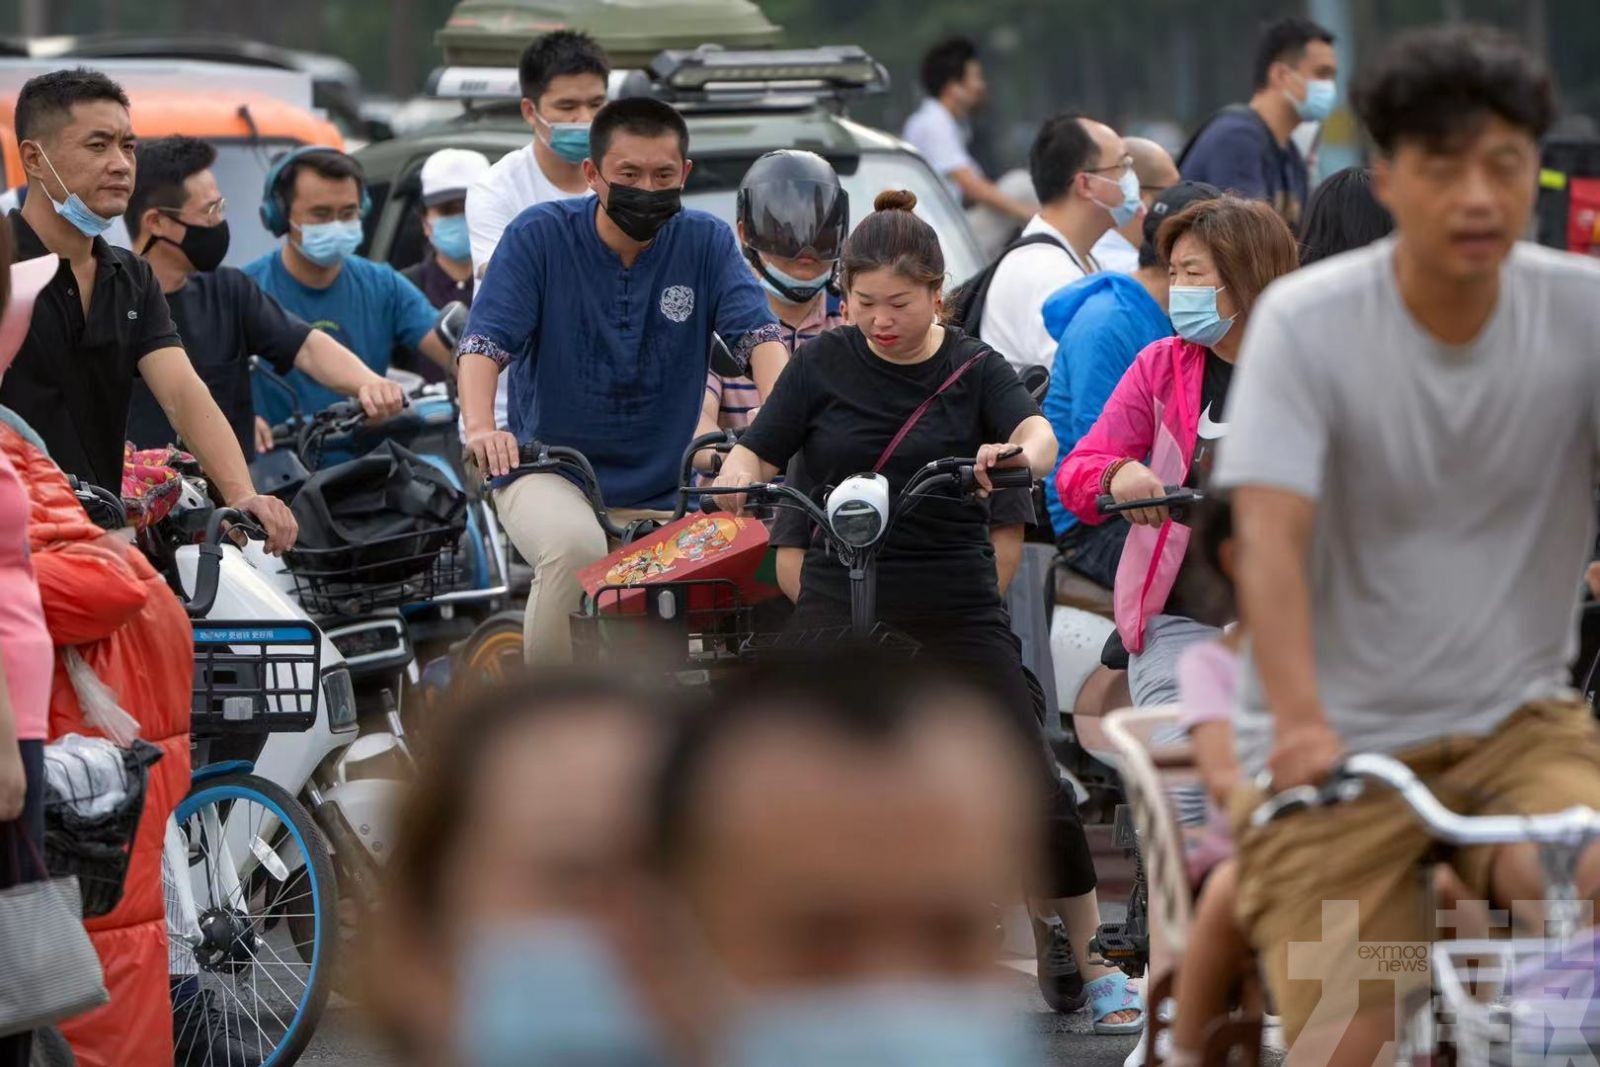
{"x": 206, "y": 246}
{"x": 640, "y": 213}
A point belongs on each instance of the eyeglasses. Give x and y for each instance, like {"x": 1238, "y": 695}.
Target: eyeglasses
{"x": 1123, "y": 166}
{"x": 212, "y": 214}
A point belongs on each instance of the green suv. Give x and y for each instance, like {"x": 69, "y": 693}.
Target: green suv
{"x": 738, "y": 106}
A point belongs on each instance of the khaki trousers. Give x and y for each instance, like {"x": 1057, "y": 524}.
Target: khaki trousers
{"x": 554, "y": 528}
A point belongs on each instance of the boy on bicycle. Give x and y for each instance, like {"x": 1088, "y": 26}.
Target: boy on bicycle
{"x": 1413, "y": 449}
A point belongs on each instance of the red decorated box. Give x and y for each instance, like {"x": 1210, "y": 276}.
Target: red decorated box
{"x": 695, "y": 548}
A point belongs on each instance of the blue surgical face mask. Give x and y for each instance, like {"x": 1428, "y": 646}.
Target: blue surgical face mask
{"x": 73, "y": 209}
{"x": 569, "y": 140}
{"x": 1128, "y": 210}
{"x": 800, "y": 290}
{"x": 1193, "y": 310}
{"x": 911, "y": 1024}
{"x": 550, "y": 991}
{"x": 451, "y": 238}
{"x": 330, "y": 243}
{"x": 1321, "y": 95}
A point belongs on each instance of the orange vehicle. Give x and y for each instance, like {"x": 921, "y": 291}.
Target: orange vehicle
{"x": 247, "y": 129}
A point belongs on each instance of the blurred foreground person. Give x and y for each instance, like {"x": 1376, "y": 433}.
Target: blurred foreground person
{"x": 839, "y": 836}
{"x": 509, "y": 934}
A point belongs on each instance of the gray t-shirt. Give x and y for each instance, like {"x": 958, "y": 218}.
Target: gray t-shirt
{"x": 1454, "y": 489}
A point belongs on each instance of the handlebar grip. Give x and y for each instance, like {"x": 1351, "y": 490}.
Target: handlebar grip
{"x": 530, "y": 452}
{"x": 1176, "y": 497}
{"x": 209, "y": 571}
{"x": 1011, "y": 477}
{"x": 709, "y": 504}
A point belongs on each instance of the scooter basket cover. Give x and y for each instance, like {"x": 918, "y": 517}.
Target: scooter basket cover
{"x": 376, "y": 520}
{"x": 695, "y": 548}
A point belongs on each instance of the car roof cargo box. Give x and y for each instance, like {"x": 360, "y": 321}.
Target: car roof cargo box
{"x": 494, "y": 32}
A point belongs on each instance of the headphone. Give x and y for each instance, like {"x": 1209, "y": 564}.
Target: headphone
{"x": 274, "y": 210}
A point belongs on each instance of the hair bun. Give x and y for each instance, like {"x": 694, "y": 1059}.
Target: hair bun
{"x": 895, "y": 200}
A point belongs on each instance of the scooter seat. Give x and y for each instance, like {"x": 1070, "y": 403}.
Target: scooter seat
{"x": 1073, "y": 590}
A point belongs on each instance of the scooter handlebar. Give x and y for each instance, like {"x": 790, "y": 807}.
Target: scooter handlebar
{"x": 209, "y": 571}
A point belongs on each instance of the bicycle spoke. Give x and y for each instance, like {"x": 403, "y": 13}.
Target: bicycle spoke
{"x": 281, "y": 962}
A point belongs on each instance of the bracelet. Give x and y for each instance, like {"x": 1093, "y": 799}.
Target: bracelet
{"x": 1111, "y": 472}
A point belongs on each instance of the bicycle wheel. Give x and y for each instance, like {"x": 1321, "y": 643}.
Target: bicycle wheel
{"x": 493, "y": 653}
{"x": 259, "y": 882}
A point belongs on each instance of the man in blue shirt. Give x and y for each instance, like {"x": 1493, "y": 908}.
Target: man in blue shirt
{"x": 1100, "y": 324}
{"x": 602, "y": 312}
{"x": 316, "y": 200}
{"x": 1246, "y": 148}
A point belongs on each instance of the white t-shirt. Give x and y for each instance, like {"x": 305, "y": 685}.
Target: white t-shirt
{"x": 1115, "y": 253}
{"x": 942, "y": 140}
{"x": 515, "y": 183}
{"x": 1013, "y": 316}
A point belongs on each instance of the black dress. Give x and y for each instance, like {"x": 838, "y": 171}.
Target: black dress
{"x": 838, "y": 405}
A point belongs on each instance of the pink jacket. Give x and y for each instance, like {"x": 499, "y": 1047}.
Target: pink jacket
{"x": 1152, "y": 416}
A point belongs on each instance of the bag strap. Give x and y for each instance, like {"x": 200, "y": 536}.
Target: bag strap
{"x": 19, "y": 829}
{"x": 972, "y": 318}
{"x": 922, "y": 409}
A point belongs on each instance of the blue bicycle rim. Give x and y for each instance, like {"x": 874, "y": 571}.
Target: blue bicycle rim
{"x": 210, "y": 794}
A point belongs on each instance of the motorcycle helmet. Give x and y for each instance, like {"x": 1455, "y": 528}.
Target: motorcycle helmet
{"x": 790, "y": 204}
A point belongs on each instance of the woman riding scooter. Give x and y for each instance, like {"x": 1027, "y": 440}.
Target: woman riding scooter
{"x": 1161, "y": 427}
{"x": 891, "y": 393}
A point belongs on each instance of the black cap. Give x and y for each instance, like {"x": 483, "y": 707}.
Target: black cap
{"x": 1172, "y": 200}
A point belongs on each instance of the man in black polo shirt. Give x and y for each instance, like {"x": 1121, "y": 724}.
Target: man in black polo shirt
{"x": 102, "y": 320}
{"x": 178, "y": 222}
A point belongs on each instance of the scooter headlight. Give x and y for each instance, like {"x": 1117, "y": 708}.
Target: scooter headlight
{"x": 340, "y": 696}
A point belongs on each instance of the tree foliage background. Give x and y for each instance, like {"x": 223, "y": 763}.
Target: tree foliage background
{"x": 1127, "y": 61}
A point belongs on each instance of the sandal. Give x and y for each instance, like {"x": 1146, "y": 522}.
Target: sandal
{"x": 1110, "y": 994}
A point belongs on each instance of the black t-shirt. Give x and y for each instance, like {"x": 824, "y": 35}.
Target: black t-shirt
{"x": 224, "y": 318}
{"x": 73, "y": 376}
{"x": 1197, "y": 593}
{"x": 1213, "y": 423}
{"x": 838, "y": 405}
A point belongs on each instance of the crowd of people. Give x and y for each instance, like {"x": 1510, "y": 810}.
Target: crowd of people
{"x": 1397, "y": 510}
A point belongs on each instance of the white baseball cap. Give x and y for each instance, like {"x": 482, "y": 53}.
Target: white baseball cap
{"x": 448, "y": 174}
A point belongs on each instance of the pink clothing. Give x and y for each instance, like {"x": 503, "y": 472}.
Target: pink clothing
{"x": 1208, "y": 683}
{"x": 25, "y": 645}
{"x": 1152, "y": 416}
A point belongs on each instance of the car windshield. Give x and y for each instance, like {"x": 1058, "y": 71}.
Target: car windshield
{"x": 877, "y": 171}
{"x": 240, "y": 169}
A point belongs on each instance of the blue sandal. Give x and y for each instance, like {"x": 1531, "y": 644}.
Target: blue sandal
{"x": 1110, "y": 994}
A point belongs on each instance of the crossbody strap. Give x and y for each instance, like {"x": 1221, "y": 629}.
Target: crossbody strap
{"x": 922, "y": 409}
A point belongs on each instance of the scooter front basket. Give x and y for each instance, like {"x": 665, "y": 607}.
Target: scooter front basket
{"x": 255, "y": 677}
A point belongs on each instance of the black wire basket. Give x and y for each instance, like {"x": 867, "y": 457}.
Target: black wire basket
{"x": 383, "y": 573}
{"x": 676, "y": 625}
{"x": 86, "y": 836}
{"x": 255, "y": 677}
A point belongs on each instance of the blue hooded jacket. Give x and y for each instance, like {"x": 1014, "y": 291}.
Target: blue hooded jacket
{"x": 1100, "y": 324}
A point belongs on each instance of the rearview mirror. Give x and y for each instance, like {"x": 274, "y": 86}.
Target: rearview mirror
{"x": 452, "y": 323}
{"x": 722, "y": 361}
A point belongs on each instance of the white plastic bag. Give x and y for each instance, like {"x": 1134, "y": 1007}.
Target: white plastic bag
{"x": 99, "y": 704}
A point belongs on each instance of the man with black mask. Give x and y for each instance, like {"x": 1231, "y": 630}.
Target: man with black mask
{"x": 601, "y": 313}
{"x": 177, "y": 220}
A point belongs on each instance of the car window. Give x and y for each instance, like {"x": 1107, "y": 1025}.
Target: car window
{"x": 876, "y": 172}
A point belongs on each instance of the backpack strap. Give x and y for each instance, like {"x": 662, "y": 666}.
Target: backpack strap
{"x": 973, "y": 319}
